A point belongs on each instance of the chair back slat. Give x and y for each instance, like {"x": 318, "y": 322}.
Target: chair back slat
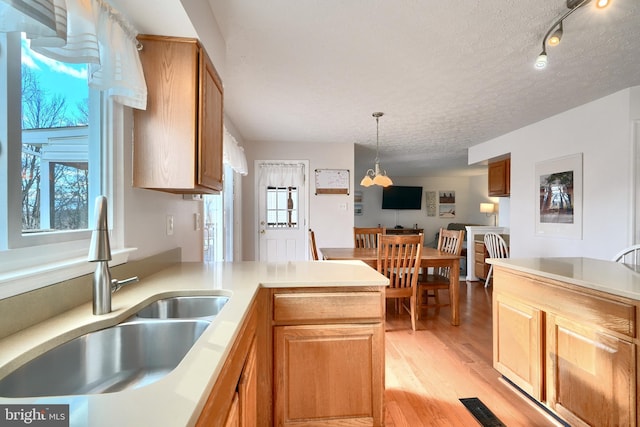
{"x": 367, "y": 237}
{"x": 399, "y": 259}
{"x": 450, "y": 241}
{"x": 312, "y": 246}
{"x": 630, "y": 255}
{"x": 496, "y": 246}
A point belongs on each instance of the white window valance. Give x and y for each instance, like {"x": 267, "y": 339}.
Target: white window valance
{"x": 233, "y": 154}
{"x": 282, "y": 174}
{"x": 83, "y": 31}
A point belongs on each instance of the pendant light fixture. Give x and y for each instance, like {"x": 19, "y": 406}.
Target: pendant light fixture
{"x": 377, "y": 175}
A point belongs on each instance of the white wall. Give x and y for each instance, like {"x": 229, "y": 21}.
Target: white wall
{"x": 331, "y": 224}
{"x": 602, "y": 131}
{"x": 145, "y": 213}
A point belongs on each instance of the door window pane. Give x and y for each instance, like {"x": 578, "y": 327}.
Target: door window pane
{"x": 282, "y": 207}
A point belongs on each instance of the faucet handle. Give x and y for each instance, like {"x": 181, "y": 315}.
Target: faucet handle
{"x": 117, "y": 284}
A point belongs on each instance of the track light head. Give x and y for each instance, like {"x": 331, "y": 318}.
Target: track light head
{"x": 555, "y": 38}
{"x": 541, "y": 62}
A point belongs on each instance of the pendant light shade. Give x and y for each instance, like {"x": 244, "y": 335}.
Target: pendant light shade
{"x": 377, "y": 175}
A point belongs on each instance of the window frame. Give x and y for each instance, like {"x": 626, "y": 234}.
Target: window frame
{"x": 31, "y": 261}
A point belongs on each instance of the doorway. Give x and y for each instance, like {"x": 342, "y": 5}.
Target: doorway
{"x": 282, "y": 210}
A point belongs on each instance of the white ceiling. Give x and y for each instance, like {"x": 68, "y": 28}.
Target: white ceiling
{"x": 448, "y": 75}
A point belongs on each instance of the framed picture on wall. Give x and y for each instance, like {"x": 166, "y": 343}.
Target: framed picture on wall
{"x": 447, "y": 197}
{"x": 558, "y": 186}
{"x": 447, "y": 210}
{"x": 430, "y": 197}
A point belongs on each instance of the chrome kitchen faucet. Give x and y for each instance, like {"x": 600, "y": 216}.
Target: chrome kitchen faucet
{"x": 100, "y": 252}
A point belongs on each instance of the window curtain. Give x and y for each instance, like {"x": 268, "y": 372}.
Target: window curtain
{"x": 83, "y": 31}
{"x": 233, "y": 154}
{"x": 281, "y": 174}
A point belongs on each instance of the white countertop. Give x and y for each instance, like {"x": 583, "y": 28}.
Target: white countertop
{"x": 601, "y": 275}
{"x": 178, "y": 398}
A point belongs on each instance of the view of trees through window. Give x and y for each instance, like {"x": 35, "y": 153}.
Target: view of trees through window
{"x": 55, "y": 164}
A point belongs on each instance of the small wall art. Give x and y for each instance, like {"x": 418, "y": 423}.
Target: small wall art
{"x": 447, "y": 211}
{"x": 447, "y": 208}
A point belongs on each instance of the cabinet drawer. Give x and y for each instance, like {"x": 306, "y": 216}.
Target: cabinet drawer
{"x": 333, "y": 306}
{"x": 611, "y": 314}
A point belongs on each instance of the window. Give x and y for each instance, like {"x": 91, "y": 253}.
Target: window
{"x": 50, "y": 170}
{"x": 55, "y": 141}
{"x": 282, "y": 207}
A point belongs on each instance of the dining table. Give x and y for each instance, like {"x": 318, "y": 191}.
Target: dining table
{"x": 430, "y": 257}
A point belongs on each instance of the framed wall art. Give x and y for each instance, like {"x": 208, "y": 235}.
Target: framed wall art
{"x": 558, "y": 193}
{"x": 430, "y": 197}
{"x": 332, "y": 181}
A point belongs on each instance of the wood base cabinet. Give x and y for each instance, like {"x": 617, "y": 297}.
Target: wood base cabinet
{"x": 326, "y": 373}
{"x": 233, "y": 399}
{"x": 328, "y": 357}
{"x": 589, "y": 374}
{"x": 517, "y": 344}
{"x": 572, "y": 349}
{"x": 481, "y": 268}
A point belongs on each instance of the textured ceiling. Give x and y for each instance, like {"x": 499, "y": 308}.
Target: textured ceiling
{"x": 448, "y": 75}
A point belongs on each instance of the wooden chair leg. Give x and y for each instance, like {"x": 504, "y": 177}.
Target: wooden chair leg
{"x": 412, "y": 308}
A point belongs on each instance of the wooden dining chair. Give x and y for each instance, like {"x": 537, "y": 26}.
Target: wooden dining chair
{"x": 367, "y": 237}
{"x": 629, "y": 255}
{"x": 312, "y": 246}
{"x": 399, "y": 260}
{"x": 497, "y": 248}
{"x": 449, "y": 241}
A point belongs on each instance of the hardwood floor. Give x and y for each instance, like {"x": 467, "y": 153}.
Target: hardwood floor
{"x": 427, "y": 371}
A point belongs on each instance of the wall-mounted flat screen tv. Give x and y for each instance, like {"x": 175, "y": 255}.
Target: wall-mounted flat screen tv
{"x": 401, "y": 197}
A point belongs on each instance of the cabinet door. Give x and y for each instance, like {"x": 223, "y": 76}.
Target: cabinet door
{"x": 328, "y": 374}
{"x": 590, "y": 375}
{"x": 248, "y": 390}
{"x": 233, "y": 416}
{"x": 517, "y": 343}
{"x": 499, "y": 178}
{"x": 210, "y": 169}
{"x": 480, "y": 265}
{"x": 164, "y": 134}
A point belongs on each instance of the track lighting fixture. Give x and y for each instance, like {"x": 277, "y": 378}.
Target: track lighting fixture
{"x": 552, "y": 38}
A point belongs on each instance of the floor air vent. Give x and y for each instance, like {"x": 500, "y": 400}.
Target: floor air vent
{"x": 479, "y": 410}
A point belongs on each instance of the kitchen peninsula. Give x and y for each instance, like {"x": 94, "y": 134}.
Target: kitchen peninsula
{"x": 312, "y": 307}
{"x": 565, "y": 331}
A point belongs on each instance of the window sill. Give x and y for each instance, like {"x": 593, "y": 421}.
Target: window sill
{"x": 27, "y": 279}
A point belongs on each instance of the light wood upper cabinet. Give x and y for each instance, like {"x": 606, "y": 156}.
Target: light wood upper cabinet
{"x": 177, "y": 143}
{"x": 500, "y": 178}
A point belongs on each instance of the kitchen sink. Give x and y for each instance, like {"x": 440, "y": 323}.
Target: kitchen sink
{"x": 125, "y": 356}
{"x": 183, "y": 307}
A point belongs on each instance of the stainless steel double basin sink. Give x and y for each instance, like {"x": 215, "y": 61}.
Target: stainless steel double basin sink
{"x": 132, "y": 354}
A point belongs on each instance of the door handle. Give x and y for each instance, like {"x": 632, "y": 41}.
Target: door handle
{"x": 262, "y": 231}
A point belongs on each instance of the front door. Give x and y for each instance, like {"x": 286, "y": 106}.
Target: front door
{"x": 282, "y": 218}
